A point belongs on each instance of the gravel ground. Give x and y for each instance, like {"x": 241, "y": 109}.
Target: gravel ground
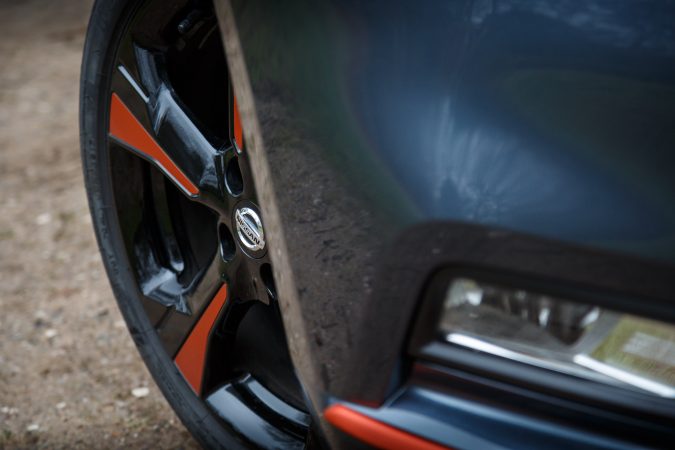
{"x": 69, "y": 373}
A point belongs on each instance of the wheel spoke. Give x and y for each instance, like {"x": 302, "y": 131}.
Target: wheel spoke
{"x": 190, "y": 302}
{"x": 191, "y": 358}
{"x": 125, "y": 128}
{"x": 175, "y": 129}
{"x": 191, "y": 338}
{"x": 147, "y": 118}
{"x": 238, "y": 131}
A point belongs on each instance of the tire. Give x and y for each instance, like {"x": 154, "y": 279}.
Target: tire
{"x": 109, "y": 26}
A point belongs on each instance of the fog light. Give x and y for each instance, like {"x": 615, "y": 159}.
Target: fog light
{"x": 566, "y": 336}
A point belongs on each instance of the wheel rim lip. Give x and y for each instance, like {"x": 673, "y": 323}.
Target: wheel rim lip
{"x": 115, "y": 195}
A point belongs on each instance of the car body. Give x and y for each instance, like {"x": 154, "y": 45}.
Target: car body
{"x": 529, "y": 142}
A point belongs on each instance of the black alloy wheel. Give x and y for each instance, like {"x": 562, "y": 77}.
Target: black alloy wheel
{"x": 179, "y": 225}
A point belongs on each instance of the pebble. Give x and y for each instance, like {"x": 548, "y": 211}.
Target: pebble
{"x": 140, "y": 392}
{"x": 8, "y": 410}
{"x": 43, "y": 219}
{"x": 50, "y": 333}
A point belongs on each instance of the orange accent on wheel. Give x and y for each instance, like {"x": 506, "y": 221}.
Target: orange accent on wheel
{"x": 191, "y": 357}
{"x": 238, "y": 131}
{"x": 125, "y": 127}
{"x": 374, "y": 432}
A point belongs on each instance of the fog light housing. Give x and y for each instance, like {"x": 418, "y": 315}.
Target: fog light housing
{"x": 566, "y": 336}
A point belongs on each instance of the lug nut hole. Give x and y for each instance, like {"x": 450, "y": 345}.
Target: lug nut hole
{"x": 233, "y": 178}
{"x": 227, "y": 245}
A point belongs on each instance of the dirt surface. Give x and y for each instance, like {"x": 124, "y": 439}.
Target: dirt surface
{"x": 67, "y": 364}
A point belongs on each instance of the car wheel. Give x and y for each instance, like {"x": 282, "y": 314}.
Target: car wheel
{"x": 179, "y": 224}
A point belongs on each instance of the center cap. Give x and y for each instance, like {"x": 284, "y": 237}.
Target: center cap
{"x": 249, "y": 229}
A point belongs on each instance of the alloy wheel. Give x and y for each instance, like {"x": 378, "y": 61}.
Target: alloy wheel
{"x": 184, "y": 203}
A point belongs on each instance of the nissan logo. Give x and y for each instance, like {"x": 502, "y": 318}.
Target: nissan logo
{"x": 249, "y": 229}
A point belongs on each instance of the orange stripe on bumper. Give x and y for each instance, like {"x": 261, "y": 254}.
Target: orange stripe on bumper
{"x": 375, "y": 433}
{"x": 191, "y": 357}
{"x": 126, "y": 127}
